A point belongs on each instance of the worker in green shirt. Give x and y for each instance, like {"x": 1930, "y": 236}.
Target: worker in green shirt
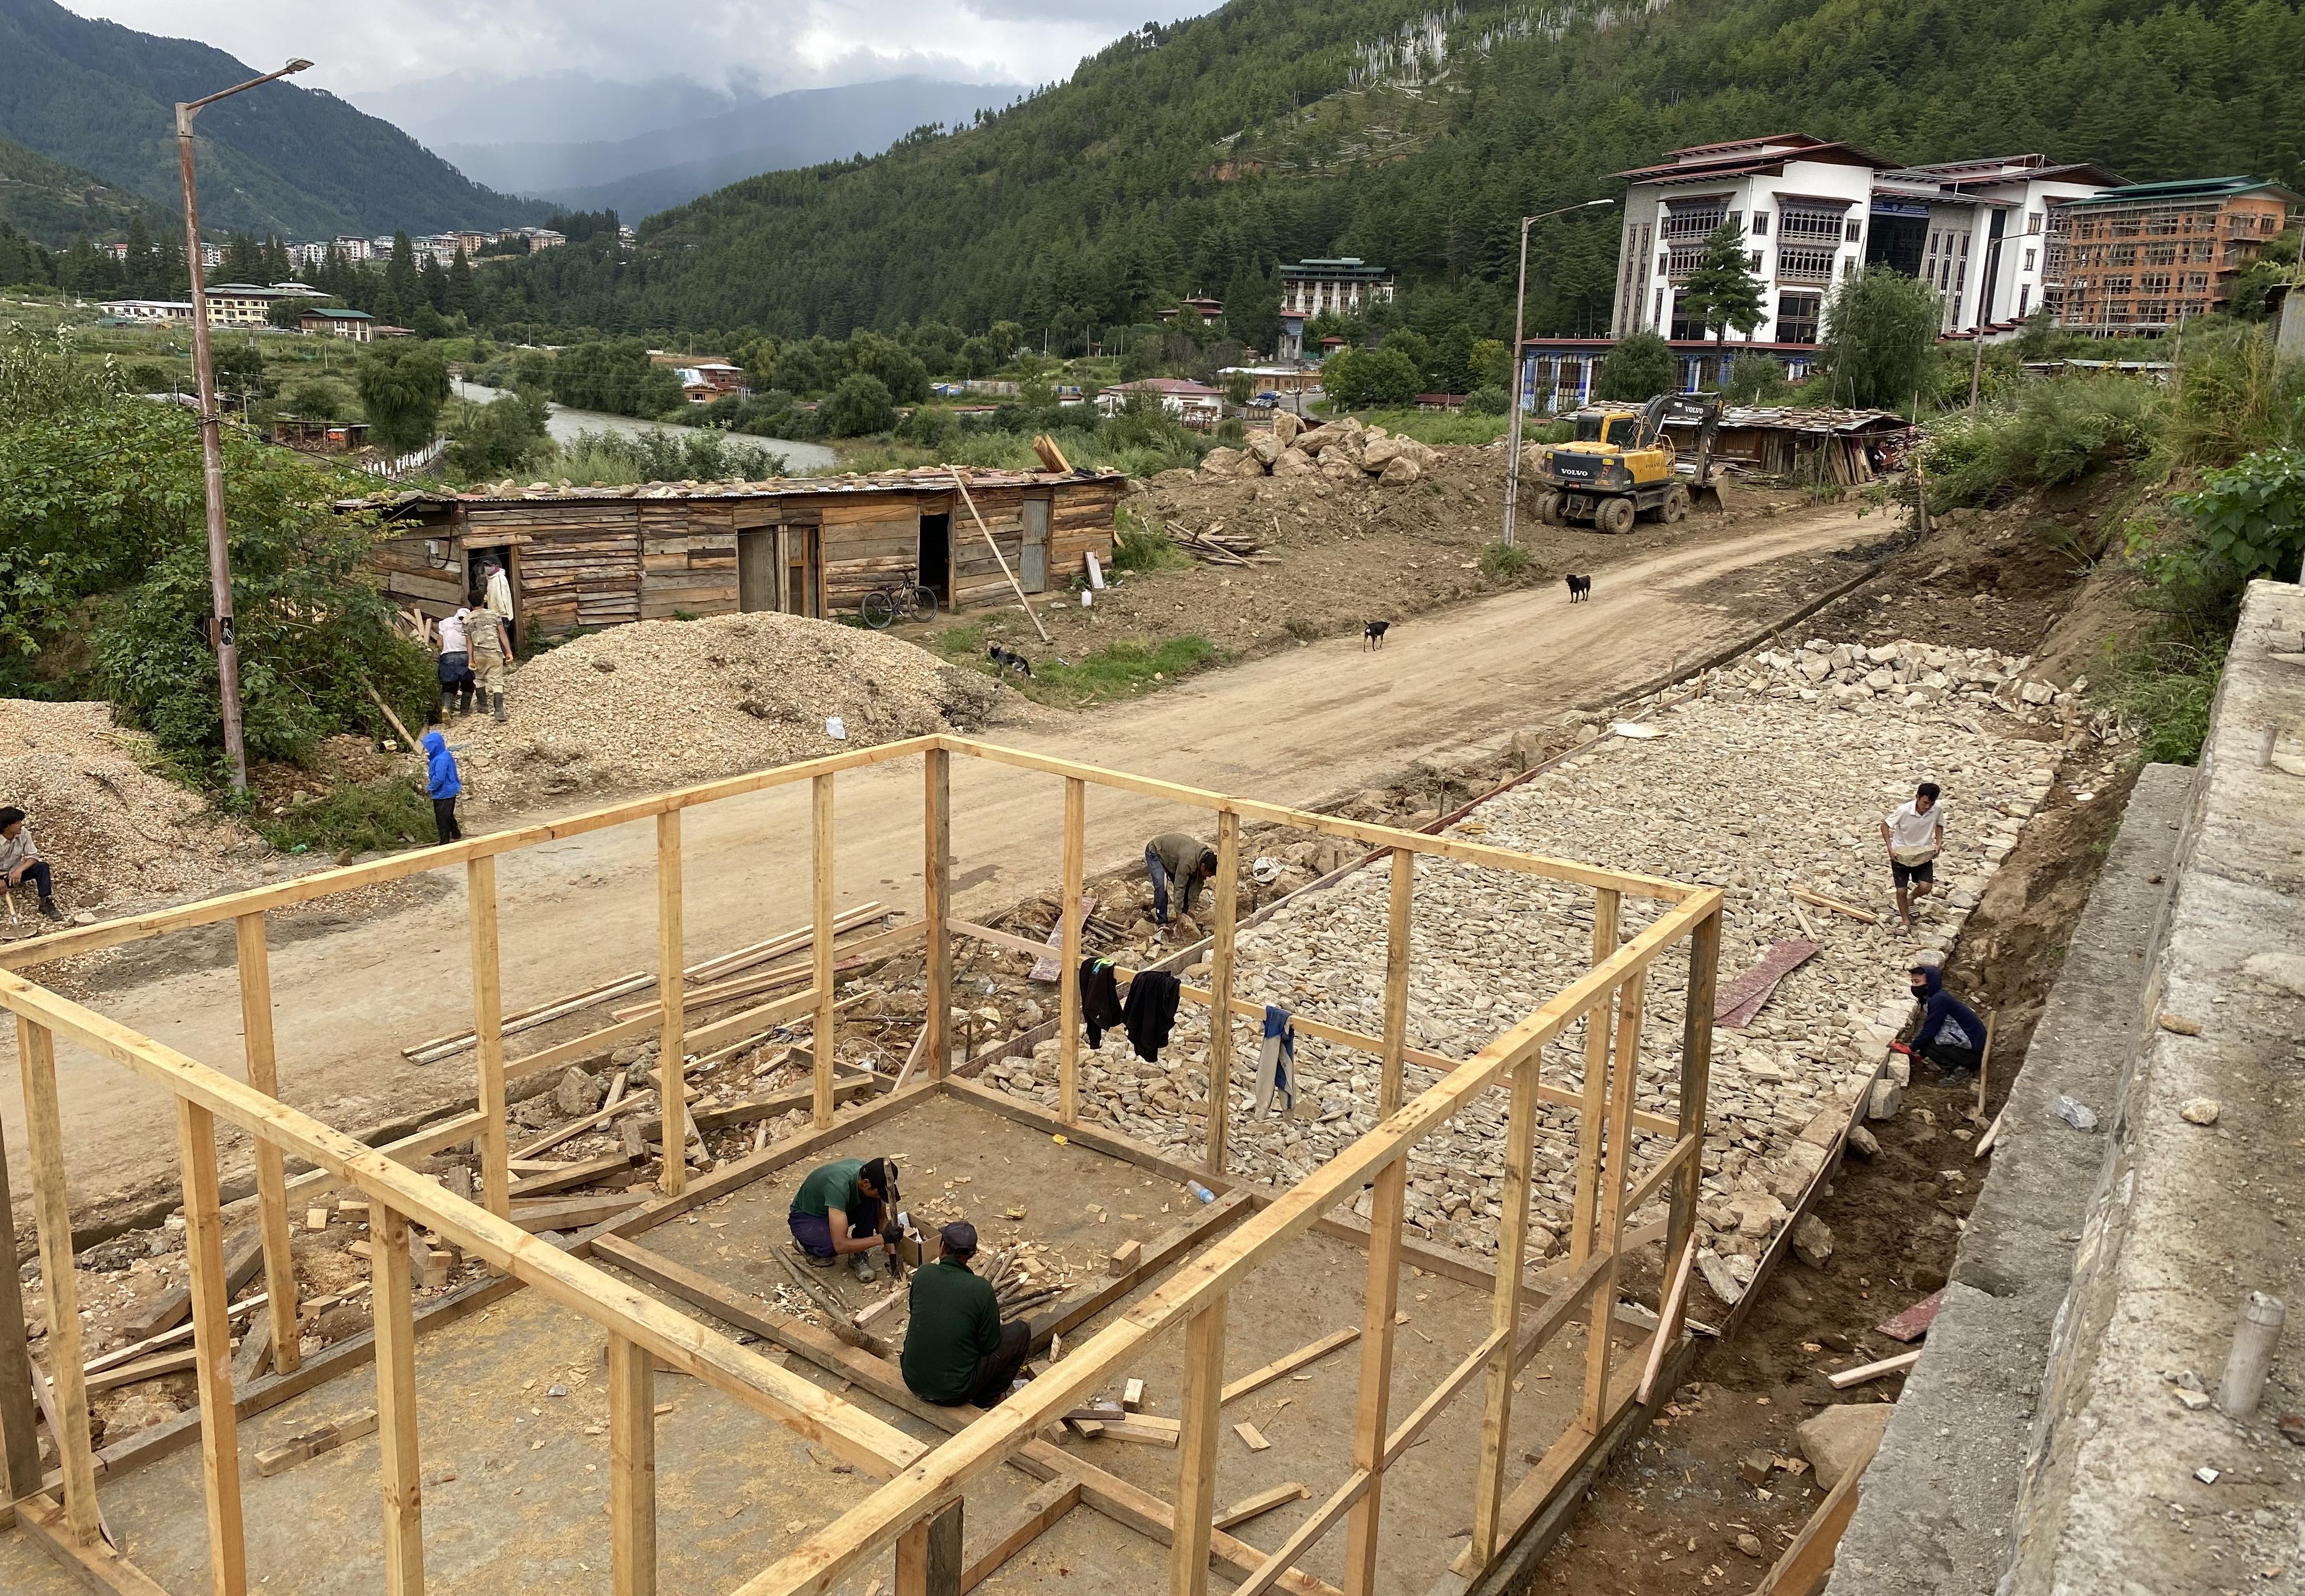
{"x": 845, "y": 1210}
{"x": 957, "y": 1350}
{"x": 1184, "y": 859}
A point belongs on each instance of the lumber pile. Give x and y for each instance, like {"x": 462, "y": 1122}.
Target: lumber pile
{"x": 1216, "y": 546}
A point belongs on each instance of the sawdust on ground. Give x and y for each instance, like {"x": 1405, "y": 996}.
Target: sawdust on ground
{"x": 666, "y": 703}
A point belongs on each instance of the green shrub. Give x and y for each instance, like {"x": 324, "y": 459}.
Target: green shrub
{"x": 1138, "y": 546}
{"x": 1503, "y": 562}
{"x": 1638, "y": 366}
{"x": 861, "y": 404}
{"x": 2252, "y": 515}
{"x": 1123, "y": 669}
{"x": 363, "y": 818}
{"x": 660, "y": 455}
{"x": 1488, "y": 400}
{"x": 2230, "y": 396}
{"x": 2166, "y": 691}
{"x": 2057, "y": 432}
{"x": 1467, "y": 426}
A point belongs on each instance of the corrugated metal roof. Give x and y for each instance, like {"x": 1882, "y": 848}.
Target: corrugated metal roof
{"x": 921, "y": 479}
{"x": 1791, "y": 417}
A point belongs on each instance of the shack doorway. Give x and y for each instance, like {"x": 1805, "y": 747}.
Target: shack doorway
{"x": 1033, "y": 559}
{"x": 756, "y": 570}
{"x": 935, "y": 572}
{"x": 803, "y": 567}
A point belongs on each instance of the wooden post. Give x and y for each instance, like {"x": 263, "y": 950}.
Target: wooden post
{"x": 1069, "y": 1021}
{"x": 1228, "y": 907}
{"x": 488, "y": 1035}
{"x": 1609, "y": 1231}
{"x": 20, "y": 1446}
{"x": 1386, "y": 1214}
{"x": 928, "y": 1556}
{"x": 631, "y": 1467}
{"x": 1504, "y": 1311}
{"x": 1606, "y": 902}
{"x": 212, "y": 1348}
{"x": 1023, "y": 603}
{"x": 672, "y": 1035}
{"x": 395, "y": 1404}
{"x": 1696, "y": 1086}
{"x": 271, "y": 1175}
{"x": 936, "y": 908}
{"x": 826, "y": 1036}
{"x": 36, "y": 1061}
{"x": 1196, "y": 1450}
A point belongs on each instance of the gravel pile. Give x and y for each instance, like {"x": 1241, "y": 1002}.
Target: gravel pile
{"x": 1759, "y": 787}
{"x": 116, "y": 833}
{"x": 665, "y": 703}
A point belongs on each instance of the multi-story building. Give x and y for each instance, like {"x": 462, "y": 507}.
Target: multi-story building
{"x": 358, "y": 326}
{"x": 1340, "y": 287}
{"x": 1977, "y": 230}
{"x": 2149, "y": 256}
{"x": 353, "y": 247}
{"x": 146, "y": 310}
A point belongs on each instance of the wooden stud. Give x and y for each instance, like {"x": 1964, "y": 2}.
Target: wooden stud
{"x": 1593, "y": 1105}
{"x": 1260, "y": 1504}
{"x": 928, "y": 1556}
{"x": 1069, "y": 1013}
{"x": 936, "y": 908}
{"x": 36, "y": 1061}
{"x": 488, "y": 1028}
{"x": 672, "y": 1041}
{"x": 212, "y": 1345}
{"x": 400, "y": 1469}
{"x": 1396, "y": 980}
{"x": 1610, "y": 1226}
{"x": 1696, "y": 1086}
{"x": 20, "y": 1446}
{"x": 1196, "y": 1450}
{"x": 1863, "y": 1373}
{"x": 271, "y": 1173}
{"x": 826, "y": 1038}
{"x": 1504, "y": 1310}
{"x": 1312, "y": 1353}
{"x": 631, "y": 1467}
{"x": 1227, "y": 908}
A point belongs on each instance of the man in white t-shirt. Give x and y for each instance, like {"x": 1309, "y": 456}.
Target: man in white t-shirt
{"x": 1914, "y": 832}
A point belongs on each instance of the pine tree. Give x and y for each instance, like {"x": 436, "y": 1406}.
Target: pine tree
{"x": 1721, "y": 293}
{"x": 433, "y": 282}
{"x": 401, "y": 293}
{"x": 463, "y": 296}
{"x": 138, "y": 269}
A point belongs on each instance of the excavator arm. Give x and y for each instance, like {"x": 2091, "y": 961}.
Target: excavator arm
{"x": 1702, "y": 412}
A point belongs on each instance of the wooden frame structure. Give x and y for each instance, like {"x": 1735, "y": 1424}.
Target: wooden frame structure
{"x": 916, "y": 1508}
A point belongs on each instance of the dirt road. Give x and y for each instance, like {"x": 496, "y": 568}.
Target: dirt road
{"x": 1292, "y": 728}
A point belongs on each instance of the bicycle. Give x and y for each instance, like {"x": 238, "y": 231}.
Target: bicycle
{"x": 898, "y": 601}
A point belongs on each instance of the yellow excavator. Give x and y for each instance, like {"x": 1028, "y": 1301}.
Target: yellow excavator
{"x": 1621, "y": 465}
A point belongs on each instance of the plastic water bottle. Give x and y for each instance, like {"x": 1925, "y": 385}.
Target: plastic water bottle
{"x": 1200, "y": 1191}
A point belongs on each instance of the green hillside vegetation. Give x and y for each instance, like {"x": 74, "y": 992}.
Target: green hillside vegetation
{"x": 1193, "y": 158}
{"x": 278, "y": 160}
{"x": 49, "y": 203}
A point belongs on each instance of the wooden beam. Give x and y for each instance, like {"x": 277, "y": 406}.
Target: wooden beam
{"x": 212, "y": 1346}
{"x": 271, "y": 1172}
{"x": 672, "y": 1011}
{"x": 1803, "y": 1569}
{"x": 20, "y": 1446}
{"x": 1611, "y": 1223}
{"x": 1844, "y": 1379}
{"x": 582, "y": 1174}
{"x": 400, "y": 1468}
{"x": 94, "y": 1565}
{"x": 1669, "y": 1315}
{"x": 488, "y": 1028}
{"x": 960, "y": 481}
{"x": 36, "y": 1062}
{"x": 1228, "y": 910}
{"x": 936, "y": 906}
{"x": 313, "y": 1443}
{"x": 1260, "y": 1504}
{"x": 1504, "y": 1310}
{"x": 631, "y": 1467}
{"x": 1592, "y": 1104}
{"x": 1036, "y": 1517}
{"x": 1197, "y": 1450}
{"x": 1311, "y": 1353}
{"x": 825, "y": 1038}
{"x": 928, "y": 1556}
{"x": 1068, "y": 960}
{"x": 1696, "y": 1087}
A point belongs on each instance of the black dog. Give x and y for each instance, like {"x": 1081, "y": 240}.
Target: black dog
{"x": 1579, "y": 587}
{"x": 1373, "y": 633}
{"x": 1008, "y": 659}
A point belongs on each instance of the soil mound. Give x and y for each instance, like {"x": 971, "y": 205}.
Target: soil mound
{"x": 665, "y": 703}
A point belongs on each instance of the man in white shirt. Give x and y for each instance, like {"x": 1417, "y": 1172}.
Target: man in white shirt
{"x": 1913, "y": 833}
{"x": 499, "y": 600}
{"x": 455, "y": 667}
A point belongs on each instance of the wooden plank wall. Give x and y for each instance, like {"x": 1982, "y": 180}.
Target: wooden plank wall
{"x": 869, "y": 540}
{"x": 408, "y": 576}
{"x": 1080, "y": 523}
{"x": 580, "y": 565}
{"x": 688, "y": 559}
{"x": 977, "y": 576}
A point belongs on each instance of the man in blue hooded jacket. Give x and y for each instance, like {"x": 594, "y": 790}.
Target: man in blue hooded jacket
{"x": 442, "y": 784}
{"x": 1951, "y": 1037}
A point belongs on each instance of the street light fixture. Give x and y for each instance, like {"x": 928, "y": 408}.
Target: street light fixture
{"x": 212, "y": 433}
{"x": 1512, "y": 432}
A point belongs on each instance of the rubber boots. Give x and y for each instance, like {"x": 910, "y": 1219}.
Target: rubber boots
{"x": 500, "y": 705}
{"x": 447, "y": 708}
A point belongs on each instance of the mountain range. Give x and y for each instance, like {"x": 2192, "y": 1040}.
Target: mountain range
{"x": 50, "y": 202}
{"x": 281, "y": 159}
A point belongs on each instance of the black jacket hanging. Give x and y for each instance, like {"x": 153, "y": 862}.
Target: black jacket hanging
{"x": 1149, "y": 1011}
{"x": 1100, "y": 999}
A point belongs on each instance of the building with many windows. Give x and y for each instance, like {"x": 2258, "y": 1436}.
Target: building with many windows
{"x": 2149, "y": 256}
{"x": 1978, "y": 231}
{"x": 1340, "y": 287}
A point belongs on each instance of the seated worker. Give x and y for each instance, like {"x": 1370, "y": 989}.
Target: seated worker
{"x": 957, "y": 1350}
{"x": 1951, "y": 1037}
{"x": 1175, "y": 856}
{"x": 842, "y": 1209}
{"x": 21, "y": 861}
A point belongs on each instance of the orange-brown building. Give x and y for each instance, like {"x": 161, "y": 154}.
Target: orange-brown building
{"x": 2146, "y": 256}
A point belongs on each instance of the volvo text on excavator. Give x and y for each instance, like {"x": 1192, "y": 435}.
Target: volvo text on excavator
{"x": 1621, "y": 465}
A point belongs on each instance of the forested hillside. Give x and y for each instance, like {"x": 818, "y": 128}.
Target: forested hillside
{"x": 1193, "y": 158}
{"x": 50, "y": 202}
{"x": 278, "y": 160}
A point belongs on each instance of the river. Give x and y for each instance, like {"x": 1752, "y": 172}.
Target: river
{"x": 801, "y": 459}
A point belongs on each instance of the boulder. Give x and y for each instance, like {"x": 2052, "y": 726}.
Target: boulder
{"x": 1220, "y": 462}
{"x": 1340, "y": 463}
{"x": 1841, "y": 1437}
{"x": 1251, "y": 466}
{"x": 1888, "y": 1097}
{"x": 578, "y": 1093}
{"x": 1294, "y": 461}
{"x": 1314, "y": 440}
{"x": 1286, "y": 425}
{"x": 1399, "y": 472}
{"x": 1812, "y": 1241}
{"x": 1266, "y": 447}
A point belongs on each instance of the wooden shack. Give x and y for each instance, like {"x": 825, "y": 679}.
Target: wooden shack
{"x": 805, "y": 546}
{"x": 1799, "y": 443}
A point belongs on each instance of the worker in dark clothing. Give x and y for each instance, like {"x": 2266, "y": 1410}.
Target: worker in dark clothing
{"x": 957, "y": 1350}
{"x": 1951, "y": 1037}
{"x": 843, "y": 1210}
{"x": 1174, "y": 857}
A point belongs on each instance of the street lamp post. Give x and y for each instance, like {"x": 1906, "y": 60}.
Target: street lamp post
{"x": 212, "y": 433}
{"x": 1512, "y": 427}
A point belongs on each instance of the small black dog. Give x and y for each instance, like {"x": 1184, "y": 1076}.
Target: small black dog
{"x": 1008, "y": 659}
{"x": 1581, "y": 588}
{"x": 1373, "y": 633}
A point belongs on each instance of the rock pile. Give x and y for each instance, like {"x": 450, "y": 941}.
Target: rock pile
{"x": 1342, "y": 450}
{"x": 1849, "y": 675}
{"x": 1759, "y": 788}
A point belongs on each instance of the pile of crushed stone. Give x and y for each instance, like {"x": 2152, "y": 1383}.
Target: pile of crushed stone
{"x": 116, "y": 833}
{"x": 666, "y": 703}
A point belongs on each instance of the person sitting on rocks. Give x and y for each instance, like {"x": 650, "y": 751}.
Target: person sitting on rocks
{"x": 21, "y": 861}
{"x": 1951, "y": 1037}
{"x": 1914, "y": 832}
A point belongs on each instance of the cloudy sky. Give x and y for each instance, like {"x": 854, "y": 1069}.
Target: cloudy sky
{"x": 764, "y": 45}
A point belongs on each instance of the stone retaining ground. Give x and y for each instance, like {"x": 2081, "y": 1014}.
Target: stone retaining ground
{"x": 1777, "y": 777}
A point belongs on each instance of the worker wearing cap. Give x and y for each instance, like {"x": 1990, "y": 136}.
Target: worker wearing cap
{"x": 843, "y": 1210}
{"x": 957, "y": 1350}
{"x": 1180, "y": 857}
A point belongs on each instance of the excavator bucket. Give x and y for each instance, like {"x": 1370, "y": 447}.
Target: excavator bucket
{"x": 1706, "y": 496}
